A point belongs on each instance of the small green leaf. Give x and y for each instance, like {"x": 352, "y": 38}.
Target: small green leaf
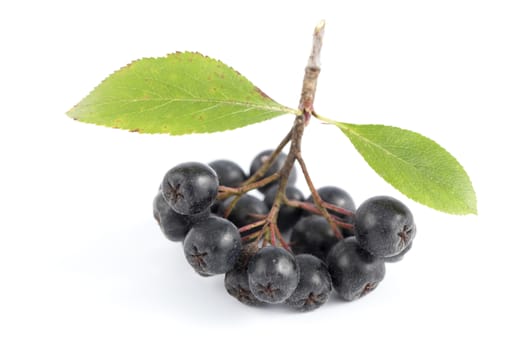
{"x": 181, "y": 93}
{"x": 415, "y": 165}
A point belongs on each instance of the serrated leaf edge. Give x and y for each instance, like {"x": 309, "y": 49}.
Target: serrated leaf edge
{"x": 471, "y": 209}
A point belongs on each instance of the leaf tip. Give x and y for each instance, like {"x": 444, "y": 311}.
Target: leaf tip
{"x": 71, "y": 113}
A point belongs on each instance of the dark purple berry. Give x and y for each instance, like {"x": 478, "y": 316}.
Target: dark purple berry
{"x": 230, "y": 174}
{"x": 314, "y": 285}
{"x": 341, "y": 198}
{"x": 336, "y": 196}
{"x": 190, "y": 188}
{"x": 199, "y": 216}
{"x": 313, "y": 235}
{"x": 212, "y": 246}
{"x": 275, "y": 167}
{"x": 384, "y": 226}
{"x": 288, "y": 216}
{"x": 247, "y": 210}
{"x": 174, "y": 226}
{"x": 273, "y": 274}
{"x": 236, "y": 280}
{"x": 354, "y": 271}
{"x": 236, "y": 284}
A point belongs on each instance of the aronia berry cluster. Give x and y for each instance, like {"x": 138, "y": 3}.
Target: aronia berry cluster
{"x": 312, "y": 255}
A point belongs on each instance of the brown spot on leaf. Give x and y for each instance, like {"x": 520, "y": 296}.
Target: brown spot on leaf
{"x": 260, "y": 92}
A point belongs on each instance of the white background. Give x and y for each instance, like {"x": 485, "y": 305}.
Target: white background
{"x": 82, "y": 263}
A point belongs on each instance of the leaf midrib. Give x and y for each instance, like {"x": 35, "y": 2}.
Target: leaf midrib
{"x": 276, "y": 108}
{"x": 349, "y": 129}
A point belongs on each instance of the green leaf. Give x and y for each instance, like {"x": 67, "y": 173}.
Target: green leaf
{"x": 415, "y": 165}
{"x": 181, "y": 93}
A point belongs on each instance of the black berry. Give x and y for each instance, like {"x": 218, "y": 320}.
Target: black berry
{"x": 288, "y": 216}
{"x": 273, "y": 274}
{"x": 236, "y": 284}
{"x": 190, "y": 188}
{"x": 247, "y": 210}
{"x": 275, "y": 167}
{"x": 212, "y": 246}
{"x": 313, "y": 235}
{"x": 236, "y": 280}
{"x": 354, "y": 271}
{"x": 336, "y": 196}
{"x": 174, "y": 226}
{"x": 314, "y": 285}
{"x": 230, "y": 174}
{"x": 384, "y": 226}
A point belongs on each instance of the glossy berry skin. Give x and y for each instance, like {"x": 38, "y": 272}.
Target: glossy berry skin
{"x": 384, "y": 226}
{"x": 275, "y": 167}
{"x": 190, "y": 188}
{"x": 354, "y": 271}
{"x": 288, "y": 216}
{"x": 313, "y": 235}
{"x": 247, "y": 211}
{"x": 336, "y": 196}
{"x": 400, "y": 256}
{"x": 212, "y": 246}
{"x": 173, "y": 225}
{"x": 315, "y": 284}
{"x": 230, "y": 174}
{"x": 273, "y": 274}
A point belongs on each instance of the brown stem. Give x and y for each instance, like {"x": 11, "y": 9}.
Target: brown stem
{"x": 311, "y": 207}
{"x": 317, "y": 199}
{"x": 269, "y": 232}
{"x": 252, "y": 236}
{"x": 268, "y": 163}
{"x": 253, "y": 225}
{"x": 281, "y": 239}
{"x": 225, "y": 192}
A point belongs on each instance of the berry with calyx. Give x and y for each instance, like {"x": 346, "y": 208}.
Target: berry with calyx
{"x": 174, "y": 225}
{"x": 315, "y": 284}
{"x": 261, "y": 158}
{"x": 236, "y": 280}
{"x": 190, "y": 188}
{"x": 230, "y": 174}
{"x": 212, "y": 246}
{"x": 288, "y": 216}
{"x": 247, "y": 210}
{"x": 273, "y": 274}
{"x": 236, "y": 284}
{"x": 384, "y": 226}
{"x": 354, "y": 271}
{"x": 313, "y": 235}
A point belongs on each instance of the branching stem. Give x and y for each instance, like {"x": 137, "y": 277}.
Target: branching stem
{"x": 269, "y": 232}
